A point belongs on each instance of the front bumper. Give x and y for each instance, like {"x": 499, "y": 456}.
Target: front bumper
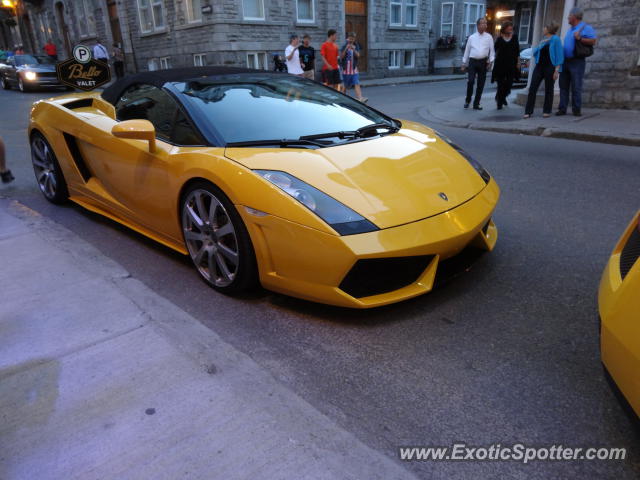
{"x": 305, "y": 263}
{"x": 619, "y": 304}
{"x": 40, "y": 82}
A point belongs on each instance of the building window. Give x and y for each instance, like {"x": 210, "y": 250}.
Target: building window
{"x": 152, "y": 65}
{"x": 151, "y": 15}
{"x": 403, "y": 12}
{"x": 253, "y": 9}
{"x": 165, "y": 63}
{"x": 394, "y": 59}
{"x": 411, "y": 13}
{"x": 199, "y": 59}
{"x": 472, "y": 12}
{"x": 194, "y": 10}
{"x": 85, "y": 19}
{"x": 525, "y": 25}
{"x": 396, "y": 12}
{"x": 446, "y": 20}
{"x": 409, "y": 59}
{"x": 257, "y": 60}
{"x": 305, "y": 11}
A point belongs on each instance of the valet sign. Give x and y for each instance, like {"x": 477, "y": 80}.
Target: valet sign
{"x": 83, "y": 71}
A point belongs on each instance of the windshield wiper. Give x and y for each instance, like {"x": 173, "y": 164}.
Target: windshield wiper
{"x": 340, "y": 135}
{"x": 283, "y": 142}
{"x": 359, "y": 133}
{"x": 376, "y": 126}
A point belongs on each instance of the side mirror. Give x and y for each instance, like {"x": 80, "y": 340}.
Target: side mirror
{"x": 137, "y": 130}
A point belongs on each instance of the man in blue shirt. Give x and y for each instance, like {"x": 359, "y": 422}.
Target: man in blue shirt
{"x": 573, "y": 67}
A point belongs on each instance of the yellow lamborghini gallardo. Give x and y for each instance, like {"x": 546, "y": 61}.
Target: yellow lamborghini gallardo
{"x": 619, "y": 304}
{"x": 270, "y": 178}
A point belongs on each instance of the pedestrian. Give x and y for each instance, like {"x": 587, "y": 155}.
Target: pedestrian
{"x": 19, "y": 50}
{"x": 574, "y": 62}
{"x": 505, "y": 68}
{"x": 50, "y": 49}
{"x": 292, "y": 56}
{"x": 329, "y": 53}
{"x": 118, "y": 60}
{"x": 5, "y": 173}
{"x": 349, "y": 55}
{"x": 549, "y": 56}
{"x": 308, "y": 58}
{"x": 100, "y": 52}
{"x": 478, "y": 58}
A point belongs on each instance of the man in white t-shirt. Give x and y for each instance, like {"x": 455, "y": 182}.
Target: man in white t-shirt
{"x": 478, "y": 57}
{"x": 292, "y": 56}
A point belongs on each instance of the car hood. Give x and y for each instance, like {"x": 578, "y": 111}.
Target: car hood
{"x": 390, "y": 180}
{"x": 37, "y": 68}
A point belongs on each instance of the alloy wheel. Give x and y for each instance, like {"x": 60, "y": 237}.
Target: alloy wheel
{"x": 211, "y": 238}
{"x": 44, "y": 167}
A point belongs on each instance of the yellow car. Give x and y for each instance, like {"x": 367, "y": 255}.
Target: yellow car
{"x": 270, "y": 178}
{"x": 619, "y": 305}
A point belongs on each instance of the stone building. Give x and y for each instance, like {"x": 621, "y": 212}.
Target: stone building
{"x": 613, "y": 73}
{"x": 393, "y": 34}
{"x": 453, "y": 21}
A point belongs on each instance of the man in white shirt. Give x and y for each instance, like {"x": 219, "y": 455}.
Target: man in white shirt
{"x": 100, "y": 52}
{"x": 478, "y": 58}
{"x": 292, "y": 56}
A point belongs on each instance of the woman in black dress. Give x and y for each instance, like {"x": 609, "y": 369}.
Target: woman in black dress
{"x": 505, "y": 68}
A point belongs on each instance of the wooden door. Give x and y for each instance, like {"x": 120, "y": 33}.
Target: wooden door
{"x": 356, "y": 21}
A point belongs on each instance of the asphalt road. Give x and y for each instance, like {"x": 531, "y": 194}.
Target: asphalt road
{"x": 506, "y": 353}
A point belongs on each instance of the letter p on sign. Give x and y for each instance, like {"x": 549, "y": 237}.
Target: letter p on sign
{"x": 82, "y": 54}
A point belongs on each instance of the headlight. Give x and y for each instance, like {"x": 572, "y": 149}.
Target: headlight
{"x": 341, "y": 218}
{"x": 30, "y": 75}
{"x": 474, "y": 163}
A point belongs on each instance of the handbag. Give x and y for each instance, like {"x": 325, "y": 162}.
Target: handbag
{"x": 580, "y": 50}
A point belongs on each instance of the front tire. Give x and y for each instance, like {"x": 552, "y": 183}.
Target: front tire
{"x": 217, "y": 239}
{"x": 22, "y": 86}
{"x": 47, "y": 170}
{"x": 5, "y": 83}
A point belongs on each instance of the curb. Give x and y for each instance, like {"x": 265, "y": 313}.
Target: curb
{"x": 550, "y": 132}
{"x": 379, "y": 82}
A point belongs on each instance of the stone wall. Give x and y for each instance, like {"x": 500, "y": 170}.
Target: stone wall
{"x": 613, "y": 72}
{"x": 448, "y": 60}
{"x": 384, "y": 38}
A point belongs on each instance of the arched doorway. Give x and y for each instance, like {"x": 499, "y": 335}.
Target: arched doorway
{"x": 63, "y": 28}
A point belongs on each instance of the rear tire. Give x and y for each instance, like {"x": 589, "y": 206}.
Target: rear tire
{"x": 47, "y": 170}
{"x": 217, "y": 239}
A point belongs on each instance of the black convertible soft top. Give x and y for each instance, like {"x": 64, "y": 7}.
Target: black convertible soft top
{"x": 159, "y": 77}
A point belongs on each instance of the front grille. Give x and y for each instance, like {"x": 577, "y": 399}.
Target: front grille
{"x": 630, "y": 252}
{"x": 47, "y": 75}
{"x": 373, "y": 276}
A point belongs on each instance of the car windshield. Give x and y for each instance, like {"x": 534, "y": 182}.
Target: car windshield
{"x": 244, "y": 108}
{"x": 33, "y": 60}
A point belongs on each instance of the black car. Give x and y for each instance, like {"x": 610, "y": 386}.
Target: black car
{"x": 28, "y": 71}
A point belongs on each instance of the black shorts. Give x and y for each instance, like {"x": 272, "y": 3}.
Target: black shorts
{"x": 331, "y": 77}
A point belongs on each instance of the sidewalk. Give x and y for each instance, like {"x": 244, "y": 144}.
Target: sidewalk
{"x": 595, "y": 125}
{"x": 101, "y": 378}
